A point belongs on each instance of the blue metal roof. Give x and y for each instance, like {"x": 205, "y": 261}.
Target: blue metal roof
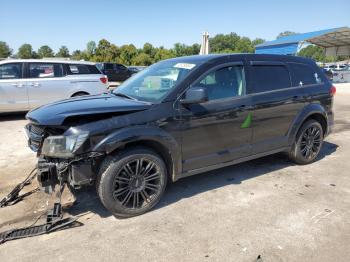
{"x": 297, "y": 38}
{"x": 283, "y": 49}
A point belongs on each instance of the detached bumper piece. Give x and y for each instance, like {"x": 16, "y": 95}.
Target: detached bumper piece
{"x": 54, "y": 222}
{"x": 14, "y": 197}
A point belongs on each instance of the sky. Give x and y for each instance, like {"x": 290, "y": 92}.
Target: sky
{"x": 160, "y": 22}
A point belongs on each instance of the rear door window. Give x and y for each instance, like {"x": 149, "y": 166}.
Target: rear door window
{"x": 269, "y": 78}
{"x": 45, "y": 70}
{"x": 304, "y": 75}
{"x": 11, "y": 71}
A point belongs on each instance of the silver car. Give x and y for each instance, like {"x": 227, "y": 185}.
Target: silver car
{"x": 26, "y": 84}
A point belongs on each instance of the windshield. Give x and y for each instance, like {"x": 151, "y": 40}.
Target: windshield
{"x": 155, "y": 82}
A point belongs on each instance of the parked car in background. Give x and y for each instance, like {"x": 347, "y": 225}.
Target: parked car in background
{"x": 27, "y": 84}
{"x": 181, "y": 117}
{"x": 336, "y": 67}
{"x": 328, "y": 73}
{"x": 115, "y": 72}
{"x": 136, "y": 69}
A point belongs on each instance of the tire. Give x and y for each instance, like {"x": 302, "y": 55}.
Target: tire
{"x": 126, "y": 190}
{"x": 308, "y": 143}
{"x": 80, "y": 94}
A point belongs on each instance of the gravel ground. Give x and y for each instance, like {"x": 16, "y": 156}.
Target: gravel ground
{"x": 267, "y": 207}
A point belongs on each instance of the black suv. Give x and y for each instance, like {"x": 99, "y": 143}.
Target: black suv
{"x": 115, "y": 72}
{"x": 181, "y": 117}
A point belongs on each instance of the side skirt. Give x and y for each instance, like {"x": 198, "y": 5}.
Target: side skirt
{"x": 230, "y": 163}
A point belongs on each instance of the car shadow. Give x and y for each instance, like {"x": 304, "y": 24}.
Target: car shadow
{"x": 87, "y": 200}
{"x": 12, "y": 116}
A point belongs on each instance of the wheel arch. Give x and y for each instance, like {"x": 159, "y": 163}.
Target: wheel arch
{"x": 312, "y": 111}
{"x": 153, "y": 138}
{"x": 79, "y": 93}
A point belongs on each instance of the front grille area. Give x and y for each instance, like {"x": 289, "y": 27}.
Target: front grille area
{"x": 35, "y": 135}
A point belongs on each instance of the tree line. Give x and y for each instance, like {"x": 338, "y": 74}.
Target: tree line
{"x": 105, "y": 51}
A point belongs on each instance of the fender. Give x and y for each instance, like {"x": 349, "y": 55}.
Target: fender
{"x": 307, "y": 111}
{"x": 123, "y": 136}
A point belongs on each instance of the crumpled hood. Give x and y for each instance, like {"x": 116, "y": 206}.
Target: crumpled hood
{"x": 55, "y": 113}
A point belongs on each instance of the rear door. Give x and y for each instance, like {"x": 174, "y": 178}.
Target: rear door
{"x": 276, "y": 102}
{"x": 13, "y": 89}
{"x": 46, "y": 83}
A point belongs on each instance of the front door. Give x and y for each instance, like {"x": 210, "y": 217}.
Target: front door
{"x": 13, "y": 89}
{"x": 219, "y": 130}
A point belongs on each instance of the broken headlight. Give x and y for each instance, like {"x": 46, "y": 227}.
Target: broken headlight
{"x": 63, "y": 146}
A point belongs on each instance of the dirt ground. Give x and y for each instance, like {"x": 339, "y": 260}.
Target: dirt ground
{"x": 267, "y": 207}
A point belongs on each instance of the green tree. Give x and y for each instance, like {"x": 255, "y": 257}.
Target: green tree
{"x": 5, "y": 50}
{"x": 257, "y": 41}
{"x": 186, "y": 50}
{"x": 222, "y": 42}
{"x": 313, "y": 52}
{"x": 91, "y": 48}
{"x": 244, "y": 45}
{"x": 25, "y": 51}
{"x": 285, "y": 33}
{"x": 45, "y": 51}
{"x": 148, "y": 49}
{"x": 106, "y": 52}
{"x": 127, "y": 54}
{"x": 142, "y": 59}
{"x": 77, "y": 55}
{"x": 63, "y": 52}
{"x": 163, "y": 53}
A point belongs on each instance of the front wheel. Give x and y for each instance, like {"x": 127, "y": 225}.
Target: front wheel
{"x": 308, "y": 143}
{"x": 132, "y": 182}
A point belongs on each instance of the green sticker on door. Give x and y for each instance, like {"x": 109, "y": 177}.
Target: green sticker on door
{"x": 247, "y": 121}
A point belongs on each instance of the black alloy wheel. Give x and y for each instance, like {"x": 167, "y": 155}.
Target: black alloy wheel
{"x": 131, "y": 182}
{"x": 308, "y": 143}
{"x": 137, "y": 183}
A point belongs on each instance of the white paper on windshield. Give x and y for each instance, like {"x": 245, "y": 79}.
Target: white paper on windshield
{"x": 184, "y": 66}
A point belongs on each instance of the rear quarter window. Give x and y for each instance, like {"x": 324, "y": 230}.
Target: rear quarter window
{"x": 76, "y": 69}
{"x": 269, "y": 77}
{"x": 303, "y": 74}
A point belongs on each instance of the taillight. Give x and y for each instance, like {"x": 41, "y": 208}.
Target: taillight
{"x": 104, "y": 79}
{"x": 332, "y": 91}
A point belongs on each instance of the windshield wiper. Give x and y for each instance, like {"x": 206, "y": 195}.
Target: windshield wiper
{"x": 123, "y": 95}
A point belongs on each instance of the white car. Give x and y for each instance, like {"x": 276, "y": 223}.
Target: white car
{"x": 26, "y": 84}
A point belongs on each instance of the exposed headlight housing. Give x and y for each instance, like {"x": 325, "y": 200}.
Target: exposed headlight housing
{"x": 63, "y": 146}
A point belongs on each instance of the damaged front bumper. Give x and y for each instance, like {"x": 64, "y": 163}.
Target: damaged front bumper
{"x": 75, "y": 172}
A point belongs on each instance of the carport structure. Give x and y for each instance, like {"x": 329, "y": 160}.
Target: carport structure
{"x": 335, "y": 42}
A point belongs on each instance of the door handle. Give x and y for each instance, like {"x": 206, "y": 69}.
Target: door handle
{"x": 35, "y": 84}
{"x": 245, "y": 107}
{"x": 17, "y": 85}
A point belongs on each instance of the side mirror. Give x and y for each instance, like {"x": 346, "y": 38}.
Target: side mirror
{"x": 195, "y": 95}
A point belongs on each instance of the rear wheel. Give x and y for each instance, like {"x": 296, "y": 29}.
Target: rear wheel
{"x": 132, "y": 182}
{"x": 308, "y": 143}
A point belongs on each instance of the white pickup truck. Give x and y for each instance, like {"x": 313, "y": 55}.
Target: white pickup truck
{"x": 28, "y": 83}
